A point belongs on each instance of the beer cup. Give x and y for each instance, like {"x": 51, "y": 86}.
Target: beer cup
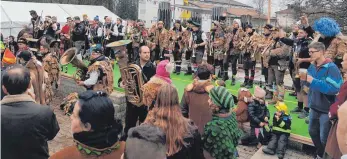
{"x": 303, "y": 74}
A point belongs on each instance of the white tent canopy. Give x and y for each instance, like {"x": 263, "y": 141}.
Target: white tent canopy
{"x": 14, "y": 15}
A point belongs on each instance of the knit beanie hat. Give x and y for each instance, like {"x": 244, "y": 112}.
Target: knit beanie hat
{"x": 222, "y": 98}
{"x": 259, "y": 92}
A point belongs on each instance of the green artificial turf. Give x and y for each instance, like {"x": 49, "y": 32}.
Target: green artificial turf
{"x": 299, "y": 127}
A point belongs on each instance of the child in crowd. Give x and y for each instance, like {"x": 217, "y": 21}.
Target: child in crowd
{"x": 244, "y": 98}
{"x": 280, "y": 131}
{"x": 221, "y": 134}
{"x": 259, "y": 116}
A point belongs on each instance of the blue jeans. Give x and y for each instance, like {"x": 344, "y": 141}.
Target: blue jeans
{"x": 318, "y": 128}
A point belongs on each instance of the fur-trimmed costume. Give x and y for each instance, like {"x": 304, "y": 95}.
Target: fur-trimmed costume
{"x": 150, "y": 90}
{"x": 51, "y": 66}
{"x": 105, "y": 79}
{"x": 336, "y": 45}
{"x": 232, "y": 45}
{"x": 68, "y": 103}
{"x": 37, "y": 74}
{"x": 194, "y": 104}
{"x": 249, "y": 49}
{"x": 241, "y": 110}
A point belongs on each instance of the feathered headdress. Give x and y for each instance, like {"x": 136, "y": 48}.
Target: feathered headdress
{"x": 327, "y": 27}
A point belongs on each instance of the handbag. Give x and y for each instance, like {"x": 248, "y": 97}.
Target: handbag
{"x": 332, "y": 147}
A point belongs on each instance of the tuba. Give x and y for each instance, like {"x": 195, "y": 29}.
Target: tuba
{"x": 131, "y": 74}
{"x": 132, "y": 79}
{"x": 69, "y": 56}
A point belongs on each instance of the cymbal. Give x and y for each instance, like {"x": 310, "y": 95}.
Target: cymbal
{"x": 32, "y": 39}
{"x": 118, "y": 43}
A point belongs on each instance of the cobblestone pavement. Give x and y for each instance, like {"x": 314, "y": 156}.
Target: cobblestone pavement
{"x": 246, "y": 152}
{"x": 64, "y": 137}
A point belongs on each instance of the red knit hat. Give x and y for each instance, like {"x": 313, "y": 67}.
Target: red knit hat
{"x": 164, "y": 69}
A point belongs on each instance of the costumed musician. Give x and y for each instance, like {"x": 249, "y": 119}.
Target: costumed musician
{"x": 161, "y": 39}
{"x": 49, "y": 27}
{"x": 95, "y": 34}
{"x": 249, "y": 57}
{"x": 100, "y": 73}
{"x": 301, "y": 60}
{"x": 110, "y": 34}
{"x": 176, "y": 34}
{"x": 11, "y": 44}
{"x": 264, "y": 43}
{"x": 121, "y": 30}
{"x": 36, "y": 24}
{"x": 197, "y": 42}
{"x": 87, "y": 25}
{"x": 37, "y": 75}
{"x": 216, "y": 47}
{"x": 51, "y": 66}
{"x": 22, "y": 46}
{"x": 137, "y": 40}
{"x": 233, "y": 37}
{"x": 136, "y": 113}
{"x": 277, "y": 57}
{"x": 57, "y": 24}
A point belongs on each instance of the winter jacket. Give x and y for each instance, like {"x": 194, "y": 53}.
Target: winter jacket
{"x": 340, "y": 99}
{"x": 241, "y": 112}
{"x": 73, "y": 153}
{"x": 193, "y": 149}
{"x": 336, "y": 47}
{"x": 325, "y": 85}
{"x": 26, "y": 127}
{"x": 282, "y": 125}
{"x": 257, "y": 112}
{"x": 279, "y": 54}
{"x": 301, "y": 47}
{"x": 341, "y": 131}
{"x": 78, "y": 33}
{"x": 194, "y": 104}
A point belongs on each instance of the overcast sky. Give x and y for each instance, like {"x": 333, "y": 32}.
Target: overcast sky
{"x": 276, "y": 5}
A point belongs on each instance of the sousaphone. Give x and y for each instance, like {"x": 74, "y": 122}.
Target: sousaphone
{"x": 69, "y": 56}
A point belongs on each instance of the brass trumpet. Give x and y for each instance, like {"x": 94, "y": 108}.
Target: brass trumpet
{"x": 211, "y": 45}
{"x": 108, "y": 35}
{"x": 193, "y": 50}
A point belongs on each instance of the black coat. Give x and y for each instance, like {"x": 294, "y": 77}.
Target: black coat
{"x": 257, "y": 112}
{"x": 79, "y": 32}
{"x": 148, "y": 71}
{"x": 25, "y": 128}
{"x": 193, "y": 149}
